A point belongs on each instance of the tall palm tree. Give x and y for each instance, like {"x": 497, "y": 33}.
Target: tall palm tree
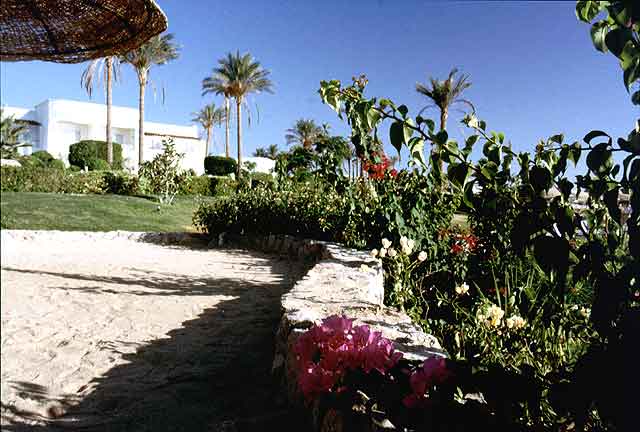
{"x": 240, "y": 75}
{"x": 219, "y": 85}
{"x": 156, "y": 51}
{"x": 304, "y": 133}
{"x": 108, "y": 70}
{"x": 445, "y": 93}
{"x": 209, "y": 117}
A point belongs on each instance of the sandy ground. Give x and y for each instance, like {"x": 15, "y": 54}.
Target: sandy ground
{"x": 122, "y": 335}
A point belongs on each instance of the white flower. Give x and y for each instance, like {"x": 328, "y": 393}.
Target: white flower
{"x": 365, "y": 268}
{"x": 515, "y": 322}
{"x": 494, "y": 315}
{"x": 374, "y": 253}
{"x": 585, "y": 312}
{"x": 422, "y": 256}
{"x": 386, "y": 243}
{"x": 383, "y": 253}
{"x": 462, "y": 289}
{"x": 392, "y": 252}
{"x": 407, "y": 245}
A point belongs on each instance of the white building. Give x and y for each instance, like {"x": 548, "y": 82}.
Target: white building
{"x": 55, "y": 124}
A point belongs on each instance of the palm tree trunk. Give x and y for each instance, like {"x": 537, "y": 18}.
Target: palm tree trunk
{"x": 109, "y": 66}
{"x": 239, "y": 129}
{"x": 444, "y": 114}
{"x": 143, "y": 84}
{"x": 206, "y": 149}
{"x": 227, "y": 151}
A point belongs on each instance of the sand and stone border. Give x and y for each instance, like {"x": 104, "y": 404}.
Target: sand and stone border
{"x": 340, "y": 281}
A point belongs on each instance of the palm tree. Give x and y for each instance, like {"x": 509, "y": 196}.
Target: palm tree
{"x": 156, "y": 51}
{"x": 270, "y": 152}
{"x": 304, "y": 133}
{"x": 11, "y": 136}
{"x": 445, "y": 93}
{"x": 219, "y": 85}
{"x": 238, "y": 76}
{"x": 109, "y": 69}
{"x": 209, "y": 117}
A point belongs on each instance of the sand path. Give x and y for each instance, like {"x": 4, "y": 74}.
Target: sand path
{"x": 113, "y": 334}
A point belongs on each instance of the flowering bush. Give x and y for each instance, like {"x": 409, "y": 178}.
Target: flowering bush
{"x": 326, "y": 352}
{"x": 378, "y": 170}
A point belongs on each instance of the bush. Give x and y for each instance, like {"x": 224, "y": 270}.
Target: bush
{"x": 162, "y": 175}
{"x": 82, "y": 153}
{"x": 98, "y": 165}
{"x": 121, "y": 183}
{"x": 356, "y": 216}
{"x": 219, "y": 165}
{"x": 41, "y": 159}
{"x": 36, "y": 179}
{"x": 196, "y": 185}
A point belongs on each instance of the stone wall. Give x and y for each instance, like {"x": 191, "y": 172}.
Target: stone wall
{"x": 339, "y": 281}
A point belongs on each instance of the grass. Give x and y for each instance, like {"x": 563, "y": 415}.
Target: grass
{"x": 49, "y": 211}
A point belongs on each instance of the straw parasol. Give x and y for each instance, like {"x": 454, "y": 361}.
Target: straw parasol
{"x": 72, "y": 31}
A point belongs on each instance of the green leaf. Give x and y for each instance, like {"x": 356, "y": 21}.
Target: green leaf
{"x": 599, "y": 159}
{"x": 617, "y": 38}
{"x": 441, "y": 137}
{"x": 416, "y": 148}
{"x": 587, "y": 10}
{"x": 594, "y": 134}
{"x": 611, "y": 200}
{"x": 396, "y": 135}
{"x": 458, "y": 174}
{"x": 635, "y": 98}
{"x": 634, "y": 171}
{"x": 467, "y": 197}
{"x": 540, "y": 179}
{"x": 574, "y": 153}
{"x": 403, "y": 110}
{"x": 559, "y": 138}
{"x": 430, "y": 124}
{"x": 598, "y": 32}
{"x": 373, "y": 117}
{"x": 552, "y": 253}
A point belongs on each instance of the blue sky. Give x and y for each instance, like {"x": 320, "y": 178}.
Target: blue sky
{"x": 534, "y": 70}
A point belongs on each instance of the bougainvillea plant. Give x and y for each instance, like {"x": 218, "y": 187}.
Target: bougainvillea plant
{"x": 328, "y": 350}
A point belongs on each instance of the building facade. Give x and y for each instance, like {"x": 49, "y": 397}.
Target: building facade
{"x": 55, "y": 124}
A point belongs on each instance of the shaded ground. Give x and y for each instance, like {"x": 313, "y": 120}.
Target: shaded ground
{"x": 118, "y": 335}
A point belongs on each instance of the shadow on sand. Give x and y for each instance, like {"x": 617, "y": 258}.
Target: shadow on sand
{"x": 213, "y": 373}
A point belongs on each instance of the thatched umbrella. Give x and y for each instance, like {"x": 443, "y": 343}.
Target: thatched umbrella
{"x": 72, "y": 31}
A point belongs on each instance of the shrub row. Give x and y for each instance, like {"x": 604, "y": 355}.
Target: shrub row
{"x": 34, "y": 178}
{"x": 357, "y": 215}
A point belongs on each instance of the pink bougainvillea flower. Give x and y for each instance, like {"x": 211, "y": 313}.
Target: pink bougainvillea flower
{"x": 315, "y": 380}
{"x": 433, "y": 372}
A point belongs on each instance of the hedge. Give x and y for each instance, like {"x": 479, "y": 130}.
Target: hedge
{"x": 85, "y": 153}
{"x": 38, "y": 179}
{"x": 219, "y": 165}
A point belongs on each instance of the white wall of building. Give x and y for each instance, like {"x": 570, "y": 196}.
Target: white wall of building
{"x": 64, "y": 122}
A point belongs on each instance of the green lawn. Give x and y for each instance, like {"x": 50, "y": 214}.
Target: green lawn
{"x": 31, "y": 210}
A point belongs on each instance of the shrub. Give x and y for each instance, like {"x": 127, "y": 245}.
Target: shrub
{"x": 36, "y": 179}
{"x": 196, "y": 185}
{"x": 98, "y": 165}
{"x": 219, "y": 165}
{"x": 81, "y": 153}
{"x": 121, "y": 183}
{"x": 162, "y": 175}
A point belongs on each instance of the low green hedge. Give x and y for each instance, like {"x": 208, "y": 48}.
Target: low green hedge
{"x": 87, "y": 152}
{"x": 33, "y": 178}
{"x": 219, "y": 165}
